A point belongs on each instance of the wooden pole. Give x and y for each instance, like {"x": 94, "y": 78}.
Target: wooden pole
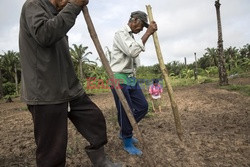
{"x": 195, "y": 69}
{"x": 167, "y": 81}
{"x": 121, "y": 96}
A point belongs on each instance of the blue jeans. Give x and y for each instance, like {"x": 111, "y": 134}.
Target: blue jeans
{"x": 137, "y": 103}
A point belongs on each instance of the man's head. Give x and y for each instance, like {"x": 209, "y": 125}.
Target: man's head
{"x": 142, "y": 16}
{"x": 137, "y": 21}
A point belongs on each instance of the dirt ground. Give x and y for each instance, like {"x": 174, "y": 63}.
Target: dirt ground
{"x": 216, "y": 125}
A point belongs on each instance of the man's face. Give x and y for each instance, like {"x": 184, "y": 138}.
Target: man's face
{"x": 137, "y": 26}
{"x": 60, "y": 4}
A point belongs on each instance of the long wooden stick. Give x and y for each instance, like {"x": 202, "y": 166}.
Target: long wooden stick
{"x": 167, "y": 81}
{"x": 121, "y": 96}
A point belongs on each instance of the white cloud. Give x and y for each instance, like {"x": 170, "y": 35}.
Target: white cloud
{"x": 184, "y": 26}
{"x": 9, "y": 39}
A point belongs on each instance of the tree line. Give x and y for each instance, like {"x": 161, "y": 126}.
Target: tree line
{"x": 237, "y": 61}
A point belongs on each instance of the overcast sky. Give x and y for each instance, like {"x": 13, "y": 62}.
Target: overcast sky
{"x": 184, "y": 26}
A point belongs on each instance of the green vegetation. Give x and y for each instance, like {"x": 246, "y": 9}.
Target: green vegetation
{"x": 95, "y": 80}
{"x": 243, "y": 89}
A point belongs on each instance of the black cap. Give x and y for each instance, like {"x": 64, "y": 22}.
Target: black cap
{"x": 156, "y": 81}
{"x": 142, "y": 16}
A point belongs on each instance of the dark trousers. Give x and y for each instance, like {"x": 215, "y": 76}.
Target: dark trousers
{"x": 51, "y": 132}
{"x": 137, "y": 103}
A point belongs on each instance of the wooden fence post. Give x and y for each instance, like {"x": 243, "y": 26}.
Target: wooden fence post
{"x": 195, "y": 68}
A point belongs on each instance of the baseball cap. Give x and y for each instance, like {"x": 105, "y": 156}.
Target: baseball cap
{"x": 142, "y": 16}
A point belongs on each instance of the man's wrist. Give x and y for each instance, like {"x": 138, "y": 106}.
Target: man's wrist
{"x": 148, "y": 33}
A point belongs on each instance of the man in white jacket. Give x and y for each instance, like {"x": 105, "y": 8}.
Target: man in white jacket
{"x": 123, "y": 63}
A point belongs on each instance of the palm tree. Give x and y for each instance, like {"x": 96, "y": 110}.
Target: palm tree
{"x": 244, "y": 56}
{"x": 245, "y": 51}
{"x": 80, "y": 57}
{"x": 222, "y": 70}
{"x": 212, "y": 54}
{"x": 204, "y": 62}
{"x": 175, "y": 67}
{"x": 11, "y": 65}
{"x": 231, "y": 54}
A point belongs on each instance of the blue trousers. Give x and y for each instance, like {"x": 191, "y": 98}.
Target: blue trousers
{"x": 137, "y": 103}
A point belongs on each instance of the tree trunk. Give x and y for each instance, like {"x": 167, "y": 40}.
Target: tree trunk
{"x": 223, "y": 80}
{"x": 185, "y": 61}
{"x": 16, "y": 80}
{"x": 230, "y": 62}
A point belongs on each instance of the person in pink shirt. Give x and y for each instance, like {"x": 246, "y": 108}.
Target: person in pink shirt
{"x": 155, "y": 91}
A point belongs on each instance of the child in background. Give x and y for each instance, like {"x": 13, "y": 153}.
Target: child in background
{"x": 155, "y": 91}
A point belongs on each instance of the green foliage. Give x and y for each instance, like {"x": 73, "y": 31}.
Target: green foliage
{"x": 10, "y": 72}
{"x": 9, "y": 88}
{"x": 207, "y": 80}
{"x": 79, "y": 58}
{"x": 244, "y": 89}
{"x": 96, "y": 79}
{"x": 245, "y": 51}
{"x": 88, "y": 71}
{"x": 9, "y": 62}
{"x": 245, "y": 64}
{"x": 211, "y": 71}
{"x": 187, "y": 73}
{"x": 148, "y": 72}
{"x": 150, "y": 107}
{"x": 236, "y": 71}
{"x": 209, "y": 58}
{"x": 174, "y": 68}
{"x": 177, "y": 82}
{"x": 156, "y": 69}
{"x": 237, "y": 62}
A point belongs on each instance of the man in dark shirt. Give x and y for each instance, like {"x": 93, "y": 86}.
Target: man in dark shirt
{"x": 49, "y": 83}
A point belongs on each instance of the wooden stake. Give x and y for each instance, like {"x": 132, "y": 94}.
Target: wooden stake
{"x": 165, "y": 75}
{"x": 121, "y": 96}
{"x": 195, "y": 69}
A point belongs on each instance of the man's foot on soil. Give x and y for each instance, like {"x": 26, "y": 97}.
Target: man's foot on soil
{"x": 134, "y": 140}
{"x": 130, "y": 148}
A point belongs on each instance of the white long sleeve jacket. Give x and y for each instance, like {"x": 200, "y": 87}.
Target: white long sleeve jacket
{"x": 125, "y": 51}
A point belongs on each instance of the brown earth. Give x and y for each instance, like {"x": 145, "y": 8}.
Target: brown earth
{"x": 216, "y": 125}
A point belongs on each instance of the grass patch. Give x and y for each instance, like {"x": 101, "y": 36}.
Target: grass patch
{"x": 243, "y": 89}
{"x": 177, "y": 82}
